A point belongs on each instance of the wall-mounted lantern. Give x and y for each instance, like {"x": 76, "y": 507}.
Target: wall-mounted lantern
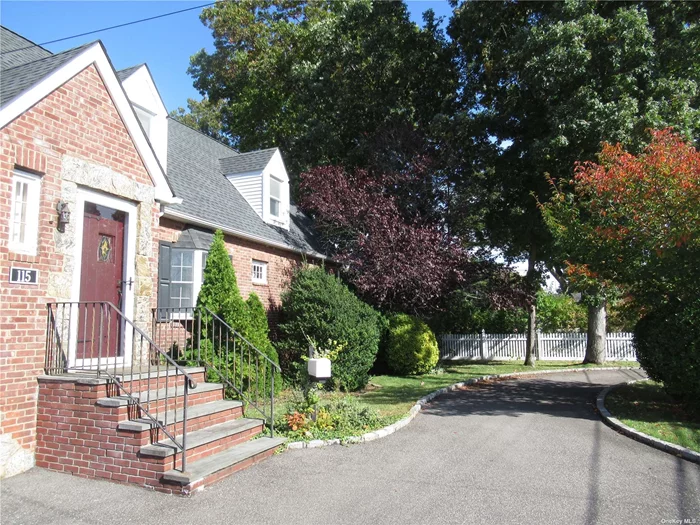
{"x": 63, "y": 215}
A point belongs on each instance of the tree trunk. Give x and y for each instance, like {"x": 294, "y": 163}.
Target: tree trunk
{"x": 595, "y": 346}
{"x": 531, "y": 349}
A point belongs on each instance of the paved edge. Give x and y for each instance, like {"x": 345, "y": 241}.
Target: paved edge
{"x": 388, "y": 430}
{"x": 620, "y": 427}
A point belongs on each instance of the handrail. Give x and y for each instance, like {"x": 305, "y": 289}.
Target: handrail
{"x": 190, "y": 327}
{"x": 88, "y": 312}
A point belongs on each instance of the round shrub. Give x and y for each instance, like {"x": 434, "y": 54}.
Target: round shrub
{"x": 318, "y": 305}
{"x": 668, "y": 348}
{"x": 411, "y": 346}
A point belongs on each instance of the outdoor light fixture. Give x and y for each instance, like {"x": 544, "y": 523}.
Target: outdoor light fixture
{"x": 63, "y": 215}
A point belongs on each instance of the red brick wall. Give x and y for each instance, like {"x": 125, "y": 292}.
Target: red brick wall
{"x": 78, "y": 119}
{"x": 280, "y": 264}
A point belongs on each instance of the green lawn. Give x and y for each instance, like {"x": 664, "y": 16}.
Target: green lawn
{"x": 394, "y": 396}
{"x": 644, "y": 406}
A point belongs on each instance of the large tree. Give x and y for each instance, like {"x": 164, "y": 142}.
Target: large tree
{"x": 543, "y": 84}
{"x": 354, "y": 83}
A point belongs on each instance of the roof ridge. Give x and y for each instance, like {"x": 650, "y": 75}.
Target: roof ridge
{"x": 23, "y": 38}
{"x": 5, "y": 71}
{"x": 175, "y": 119}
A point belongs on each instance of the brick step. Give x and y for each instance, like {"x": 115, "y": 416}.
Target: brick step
{"x": 212, "y": 468}
{"x": 158, "y": 379}
{"x": 204, "y": 393}
{"x": 198, "y": 416}
{"x": 204, "y": 442}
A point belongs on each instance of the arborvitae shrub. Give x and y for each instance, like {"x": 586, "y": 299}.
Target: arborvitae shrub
{"x": 320, "y": 306}
{"x": 411, "y": 347}
{"x": 259, "y": 335}
{"x": 668, "y": 348}
{"x": 219, "y": 292}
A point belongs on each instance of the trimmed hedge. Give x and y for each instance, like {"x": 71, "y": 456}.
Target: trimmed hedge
{"x": 668, "y": 348}
{"x": 320, "y": 306}
{"x": 411, "y": 346}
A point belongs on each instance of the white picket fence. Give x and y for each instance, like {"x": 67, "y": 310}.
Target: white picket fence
{"x": 563, "y": 346}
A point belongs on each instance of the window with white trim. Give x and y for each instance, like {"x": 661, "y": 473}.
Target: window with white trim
{"x": 275, "y": 196}
{"x": 24, "y": 218}
{"x": 259, "y": 272}
{"x": 182, "y": 278}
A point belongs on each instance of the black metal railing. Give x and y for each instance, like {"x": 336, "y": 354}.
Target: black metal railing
{"x": 200, "y": 337}
{"x": 96, "y": 337}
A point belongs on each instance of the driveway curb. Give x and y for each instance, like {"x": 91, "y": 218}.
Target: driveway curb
{"x": 619, "y": 426}
{"x": 388, "y": 430}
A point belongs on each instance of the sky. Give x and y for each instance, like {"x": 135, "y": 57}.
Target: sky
{"x": 165, "y": 44}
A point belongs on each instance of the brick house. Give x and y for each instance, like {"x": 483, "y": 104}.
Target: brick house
{"x": 107, "y": 209}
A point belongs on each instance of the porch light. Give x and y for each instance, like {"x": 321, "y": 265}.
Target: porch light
{"x": 63, "y": 215}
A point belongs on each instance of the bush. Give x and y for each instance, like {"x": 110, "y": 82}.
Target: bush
{"x": 259, "y": 335}
{"x": 411, "y": 346}
{"x": 219, "y": 292}
{"x": 668, "y": 348}
{"x": 320, "y": 306}
{"x": 560, "y": 313}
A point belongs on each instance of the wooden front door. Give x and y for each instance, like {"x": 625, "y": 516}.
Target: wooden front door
{"x": 101, "y": 279}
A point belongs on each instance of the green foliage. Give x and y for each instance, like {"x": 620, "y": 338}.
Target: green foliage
{"x": 202, "y": 116}
{"x": 259, "y": 336}
{"x": 337, "y": 416}
{"x": 560, "y": 313}
{"x": 219, "y": 292}
{"x": 466, "y": 314}
{"x": 668, "y": 348}
{"x": 411, "y": 347}
{"x": 320, "y": 306}
{"x": 544, "y": 83}
{"x": 327, "y": 82}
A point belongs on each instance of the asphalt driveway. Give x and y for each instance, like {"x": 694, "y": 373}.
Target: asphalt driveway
{"x": 525, "y": 451}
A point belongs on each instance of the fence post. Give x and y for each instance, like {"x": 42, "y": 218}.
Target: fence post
{"x": 537, "y": 345}
{"x": 481, "y": 343}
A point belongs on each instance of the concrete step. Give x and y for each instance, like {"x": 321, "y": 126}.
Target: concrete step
{"x": 214, "y": 467}
{"x": 199, "y": 438}
{"x": 176, "y": 416}
{"x": 153, "y": 395}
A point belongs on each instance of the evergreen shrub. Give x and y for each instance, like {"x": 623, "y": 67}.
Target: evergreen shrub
{"x": 320, "y": 306}
{"x": 668, "y": 348}
{"x": 411, "y": 347}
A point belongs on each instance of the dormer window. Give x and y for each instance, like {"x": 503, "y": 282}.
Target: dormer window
{"x": 275, "y": 196}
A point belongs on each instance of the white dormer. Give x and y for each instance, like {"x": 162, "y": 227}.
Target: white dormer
{"x": 148, "y": 106}
{"x": 261, "y": 178}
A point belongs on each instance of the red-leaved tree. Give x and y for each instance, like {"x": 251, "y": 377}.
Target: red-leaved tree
{"x": 396, "y": 257}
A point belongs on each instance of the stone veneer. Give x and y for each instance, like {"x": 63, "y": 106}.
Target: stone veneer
{"x": 73, "y": 137}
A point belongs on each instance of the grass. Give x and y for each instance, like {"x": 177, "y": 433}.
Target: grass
{"x": 645, "y": 406}
{"x": 394, "y": 396}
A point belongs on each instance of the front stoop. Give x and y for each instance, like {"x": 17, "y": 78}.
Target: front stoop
{"x": 86, "y": 429}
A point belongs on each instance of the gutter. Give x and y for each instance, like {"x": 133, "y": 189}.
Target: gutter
{"x": 170, "y": 214}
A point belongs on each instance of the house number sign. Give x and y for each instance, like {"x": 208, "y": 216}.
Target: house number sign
{"x": 24, "y": 276}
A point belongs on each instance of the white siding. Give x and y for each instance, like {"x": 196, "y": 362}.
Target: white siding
{"x": 250, "y": 185}
{"x": 141, "y": 90}
{"x": 275, "y": 168}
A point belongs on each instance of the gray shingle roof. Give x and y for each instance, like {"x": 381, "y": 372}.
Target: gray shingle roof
{"x": 16, "y": 50}
{"x": 16, "y": 80}
{"x": 125, "y": 73}
{"x": 246, "y": 162}
{"x": 195, "y": 175}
